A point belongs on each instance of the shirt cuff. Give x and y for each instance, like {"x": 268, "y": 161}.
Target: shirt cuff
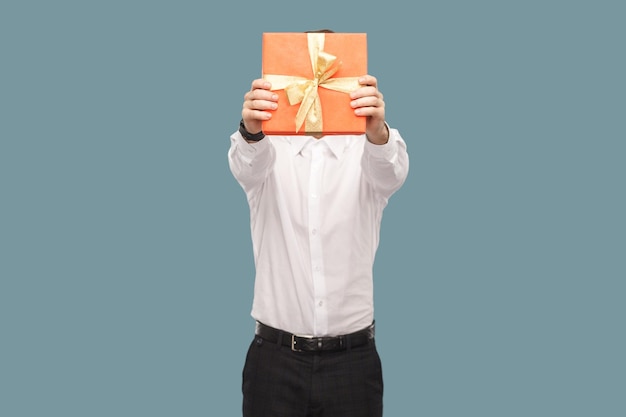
{"x": 387, "y": 151}
{"x": 249, "y": 151}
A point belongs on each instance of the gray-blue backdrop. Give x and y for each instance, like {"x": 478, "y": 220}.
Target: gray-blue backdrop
{"x": 126, "y": 270}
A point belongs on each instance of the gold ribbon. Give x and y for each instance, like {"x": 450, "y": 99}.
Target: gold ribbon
{"x": 303, "y": 90}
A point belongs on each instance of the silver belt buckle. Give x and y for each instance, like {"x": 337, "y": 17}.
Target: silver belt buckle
{"x": 320, "y": 342}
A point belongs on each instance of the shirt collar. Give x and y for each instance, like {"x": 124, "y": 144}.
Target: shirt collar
{"x": 336, "y": 144}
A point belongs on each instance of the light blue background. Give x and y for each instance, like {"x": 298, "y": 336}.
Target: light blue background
{"x": 125, "y": 257}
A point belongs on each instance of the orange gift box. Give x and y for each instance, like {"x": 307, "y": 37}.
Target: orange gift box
{"x": 313, "y": 74}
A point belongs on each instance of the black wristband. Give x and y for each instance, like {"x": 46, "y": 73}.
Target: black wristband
{"x": 249, "y": 136}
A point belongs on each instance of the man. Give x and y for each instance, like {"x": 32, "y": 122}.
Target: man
{"x": 316, "y": 205}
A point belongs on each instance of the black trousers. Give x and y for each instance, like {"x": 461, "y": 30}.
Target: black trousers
{"x": 278, "y": 382}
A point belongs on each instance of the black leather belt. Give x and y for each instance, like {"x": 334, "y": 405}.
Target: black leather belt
{"x": 315, "y": 344}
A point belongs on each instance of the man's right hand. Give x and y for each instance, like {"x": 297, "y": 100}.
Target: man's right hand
{"x": 258, "y": 104}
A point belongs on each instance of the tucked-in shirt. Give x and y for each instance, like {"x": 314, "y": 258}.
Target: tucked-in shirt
{"x": 316, "y": 207}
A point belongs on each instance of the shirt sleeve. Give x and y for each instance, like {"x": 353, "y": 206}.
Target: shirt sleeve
{"x": 386, "y": 166}
{"x": 250, "y": 163}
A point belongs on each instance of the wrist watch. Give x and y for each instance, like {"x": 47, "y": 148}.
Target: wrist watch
{"x": 250, "y": 136}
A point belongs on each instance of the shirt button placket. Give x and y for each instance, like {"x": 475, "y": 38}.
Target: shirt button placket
{"x": 319, "y": 283}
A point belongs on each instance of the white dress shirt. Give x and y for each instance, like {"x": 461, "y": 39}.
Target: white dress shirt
{"x": 315, "y": 213}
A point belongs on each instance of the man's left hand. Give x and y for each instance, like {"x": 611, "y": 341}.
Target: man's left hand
{"x": 368, "y": 101}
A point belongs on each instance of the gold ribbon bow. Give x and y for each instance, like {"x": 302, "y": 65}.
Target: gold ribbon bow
{"x": 303, "y": 90}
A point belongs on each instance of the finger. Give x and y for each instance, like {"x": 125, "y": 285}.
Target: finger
{"x": 370, "y": 111}
{"x": 260, "y": 104}
{"x": 368, "y": 80}
{"x": 368, "y": 101}
{"x": 257, "y": 94}
{"x": 364, "y": 92}
{"x": 260, "y": 83}
{"x": 252, "y": 114}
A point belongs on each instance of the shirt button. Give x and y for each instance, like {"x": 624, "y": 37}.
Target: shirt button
{"x": 321, "y": 303}
{"x": 314, "y": 231}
